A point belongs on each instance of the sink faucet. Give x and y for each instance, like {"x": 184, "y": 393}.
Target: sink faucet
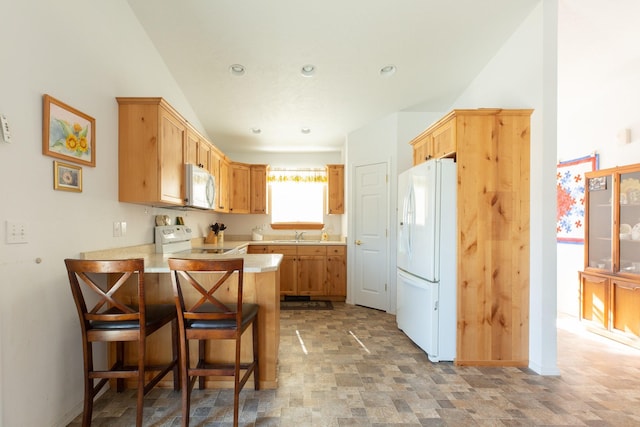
{"x": 299, "y": 235}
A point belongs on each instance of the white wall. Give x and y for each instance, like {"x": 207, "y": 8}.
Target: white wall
{"x": 598, "y": 96}
{"x": 84, "y": 54}
{"x": 386, "y": 140}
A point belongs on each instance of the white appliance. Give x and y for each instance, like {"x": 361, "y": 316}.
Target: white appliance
{"x": 200, "y": 186}
{"x": 426, "y": 257}
{"x": 173, "y": 238}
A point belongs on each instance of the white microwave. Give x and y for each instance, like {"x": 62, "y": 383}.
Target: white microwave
{"x": 200, "y": 186}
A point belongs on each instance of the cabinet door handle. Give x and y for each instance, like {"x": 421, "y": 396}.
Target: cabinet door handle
{"x": 358, "y": 242}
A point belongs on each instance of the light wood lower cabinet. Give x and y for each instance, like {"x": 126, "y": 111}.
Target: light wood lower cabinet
{"x": 310, "y": 270}
{"x": 609, "y": 306}
{"x": 311, "y": 278}
{"x": 625, "y": 301}
{"x": 594, "y": 304}
{"x": 336, "y": 271}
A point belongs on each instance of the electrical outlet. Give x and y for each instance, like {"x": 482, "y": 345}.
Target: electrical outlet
{"x": 5, "y": 131}
{"x": 16, "y": 232}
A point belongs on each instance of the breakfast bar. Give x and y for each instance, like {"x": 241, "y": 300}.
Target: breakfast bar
{"x": 261, "y": 286}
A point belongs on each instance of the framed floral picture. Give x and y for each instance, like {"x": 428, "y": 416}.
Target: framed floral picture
{"x": 67, "y": 133}
{"x": 67, "y": 177}
{"x": 570, "y": 188}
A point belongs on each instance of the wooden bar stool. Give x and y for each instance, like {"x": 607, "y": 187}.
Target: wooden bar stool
{"x": 211, "y": 315}
{"x": 112, "y": 319}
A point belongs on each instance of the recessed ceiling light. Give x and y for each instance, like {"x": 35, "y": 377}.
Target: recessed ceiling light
{"x": 237, "y": 70}
{"x": 308, "y": 70}
{"x": 256, "y": 130}
{"x": 305, "y": 130}
{"x": 387, "y": 70}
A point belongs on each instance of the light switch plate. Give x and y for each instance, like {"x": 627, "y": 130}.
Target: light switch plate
{"x": 16, "y": 232}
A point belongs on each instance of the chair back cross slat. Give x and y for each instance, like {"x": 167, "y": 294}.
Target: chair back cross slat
{"x": 107, "y": 298}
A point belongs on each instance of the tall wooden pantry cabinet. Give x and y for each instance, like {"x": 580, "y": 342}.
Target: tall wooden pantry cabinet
{"x": 491, "y": 148}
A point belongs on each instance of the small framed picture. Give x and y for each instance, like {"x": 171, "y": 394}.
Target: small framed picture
{"x": 67, "y": 133}
{"x": 67, "y": 177}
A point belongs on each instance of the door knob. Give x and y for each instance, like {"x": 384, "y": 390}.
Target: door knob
{"x": 358, "y": 242}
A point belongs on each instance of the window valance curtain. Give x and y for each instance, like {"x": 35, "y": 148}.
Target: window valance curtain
{"x": 297, "y": 175}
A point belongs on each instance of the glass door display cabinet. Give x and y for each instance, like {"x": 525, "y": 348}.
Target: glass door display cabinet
{"x": 610, "y": 282}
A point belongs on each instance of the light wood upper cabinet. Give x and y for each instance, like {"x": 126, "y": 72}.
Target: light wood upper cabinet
{"x": 436, "y": 142}
{"x": 335, "y": 189}
{"x": 220, "y": 171}
{"x": 443, "y": 139}
{"x": 224, "y": 193}
{"x": 197, "y": 150}
{"x": 155, "y": 142}
{"x": 240, "y": 179}
{"x": 151, "y": 140}
{"x": 422, "y": 148}
{"x": 258, "y": 190}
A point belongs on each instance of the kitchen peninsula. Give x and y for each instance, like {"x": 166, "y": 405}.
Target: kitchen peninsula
{"x": 261, "y": 286}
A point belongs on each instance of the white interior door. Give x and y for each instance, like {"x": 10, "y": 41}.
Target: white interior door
{"x": 371, "y": 262}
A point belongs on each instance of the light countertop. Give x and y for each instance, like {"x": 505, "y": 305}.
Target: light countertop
{"x": 253, "y": 263}
{"x": 157, "y": 263}
{"x": 236, "y": 244}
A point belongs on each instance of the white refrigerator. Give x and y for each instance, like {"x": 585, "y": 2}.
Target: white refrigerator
{"x": 426, "y": 257}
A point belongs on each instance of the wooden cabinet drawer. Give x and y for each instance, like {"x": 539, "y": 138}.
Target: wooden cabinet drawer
{"x": 312, "y": 250}
{"x": 281, "y": 249}
{"x": 336, "y": 250}
{"x": 625, "y": 301}
{"x": 258, "y": 249}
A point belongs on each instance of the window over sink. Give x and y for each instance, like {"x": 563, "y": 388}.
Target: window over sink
{"x": 297, "y": 198}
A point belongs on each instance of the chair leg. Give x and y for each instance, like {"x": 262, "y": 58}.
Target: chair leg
{"x": 185, "y": 379}
{"x": 236, "y": 382}
{"x": 174, "y": 355}
{"x": 120, "y": 364}
{"x": 256, "y": 348}
{"x": 202, "y": 349}
{"x": 141, "y": 380}
{"x": 88, "y": 385}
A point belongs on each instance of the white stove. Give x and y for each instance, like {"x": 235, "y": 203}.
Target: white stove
{"x": 173, "y": 238}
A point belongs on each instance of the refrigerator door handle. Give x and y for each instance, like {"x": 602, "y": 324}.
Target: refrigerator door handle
{"x": 409, "y": 219}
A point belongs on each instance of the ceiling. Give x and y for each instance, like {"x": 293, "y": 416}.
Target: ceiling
{"x": 437, "y": 47}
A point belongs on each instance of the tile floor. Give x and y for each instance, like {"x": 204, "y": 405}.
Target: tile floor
{"x": 351, "y": 367}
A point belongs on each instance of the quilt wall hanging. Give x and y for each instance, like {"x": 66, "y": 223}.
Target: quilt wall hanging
{"x": 571, "y": 198}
